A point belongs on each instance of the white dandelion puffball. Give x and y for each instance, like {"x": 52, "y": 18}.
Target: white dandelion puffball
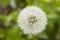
{"x": 32, "y": 20}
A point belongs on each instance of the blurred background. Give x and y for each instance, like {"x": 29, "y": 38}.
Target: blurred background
{"x": 9, "y": 10}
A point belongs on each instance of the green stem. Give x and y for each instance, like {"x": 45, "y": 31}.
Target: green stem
{"x": 33, "y": 37}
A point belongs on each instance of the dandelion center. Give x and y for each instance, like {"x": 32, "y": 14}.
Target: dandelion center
{"x": 32, "y": 19}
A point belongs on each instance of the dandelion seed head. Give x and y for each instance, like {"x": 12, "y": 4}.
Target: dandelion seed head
{"x": 32, "y": 20}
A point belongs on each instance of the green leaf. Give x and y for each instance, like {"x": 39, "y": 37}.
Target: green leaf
{"x": 6, "y": 2}
{"x": 43, "y": 35}
{"x": 13, "y": 33}
{"x": 2, "y": 33}
{"x": 52, "y": 16}
{"x": 58, "y": 34}
{"x": 10, "y": 17}
{"x": 29, "y": 2}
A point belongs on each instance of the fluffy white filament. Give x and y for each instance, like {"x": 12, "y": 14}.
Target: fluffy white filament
{"x": 32, "y": 20}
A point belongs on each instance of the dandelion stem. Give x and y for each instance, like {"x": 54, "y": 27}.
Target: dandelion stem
{"x": 33, "y": 37}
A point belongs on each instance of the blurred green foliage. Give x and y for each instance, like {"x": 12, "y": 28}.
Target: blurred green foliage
{"x": 9, "y": 29}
